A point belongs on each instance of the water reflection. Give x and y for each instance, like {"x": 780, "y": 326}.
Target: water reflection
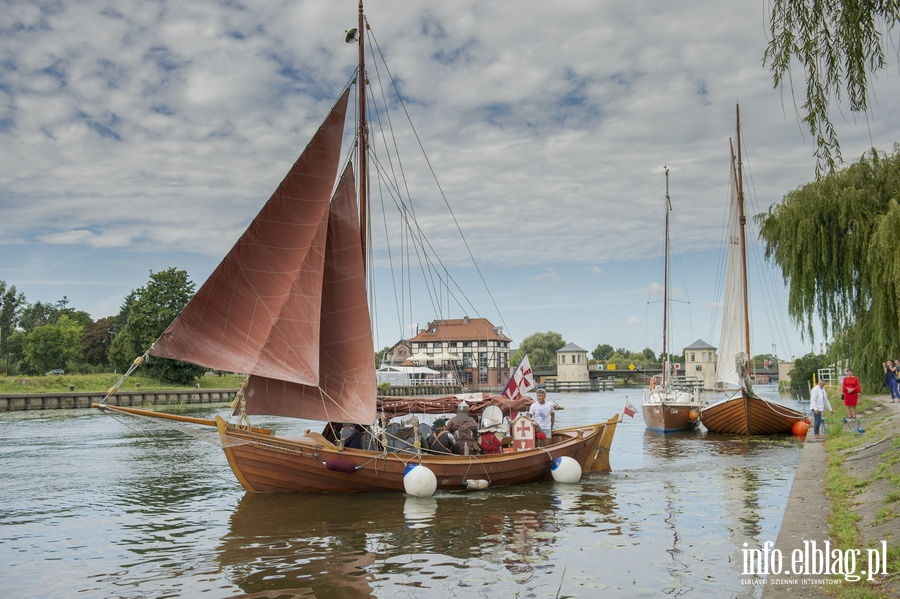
{"x": 340, "y": 546}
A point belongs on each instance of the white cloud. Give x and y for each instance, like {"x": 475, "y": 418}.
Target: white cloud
{"x": 146, "y": 128}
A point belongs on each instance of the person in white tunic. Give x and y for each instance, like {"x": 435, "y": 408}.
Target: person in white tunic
{"x": 542, "y": 413}
{"x": 818, "y": 403}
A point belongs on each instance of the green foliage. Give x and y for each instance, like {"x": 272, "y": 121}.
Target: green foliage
{"x": 52, "y": 345}
{"x": 38, "y": 314}
{"x": 804, "y": 369}
{"x": 121, "y": 350}
{"x": 602, "y": 351}
{"x": 96, "y": 341}
{"x": 648, "y": 355}
{"x": 840, "y": 47}
{"x": 101, "y": 382}
{"x": 835, "y": 241}
{"x": 149, "y": 311}
{"x": 80, "y": 316}
{"x": 11, "y": 302}
{"x": 623, "y": 357}
{"x": 14, "y": 354}
{"x": 541, "y": 348}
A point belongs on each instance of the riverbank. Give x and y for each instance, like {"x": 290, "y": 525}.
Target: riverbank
{"x": 850, "y": 483}
{"x": 27, "y": 402}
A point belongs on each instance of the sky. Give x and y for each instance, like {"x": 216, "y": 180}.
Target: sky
{"x": 138, "y": 136}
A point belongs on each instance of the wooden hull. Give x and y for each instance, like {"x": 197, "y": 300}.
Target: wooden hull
{"x": 743, "y": 415}
{"x": 667, "y": 418}
{"x": 266, "y": 463}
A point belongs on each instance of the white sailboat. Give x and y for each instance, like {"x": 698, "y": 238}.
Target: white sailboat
{"x": 744, "y": 412}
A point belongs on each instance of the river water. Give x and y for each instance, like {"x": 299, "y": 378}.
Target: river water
{"x": 95, "y": 505}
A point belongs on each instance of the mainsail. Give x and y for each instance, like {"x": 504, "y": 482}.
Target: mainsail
{"x": 732, "y": 340}
{"x": 346, "y": 389}
{"x": 265, "y": 310}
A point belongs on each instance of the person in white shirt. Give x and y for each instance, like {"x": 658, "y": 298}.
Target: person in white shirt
{"x": 818, "y": 403}
{"x": 542, "y": 412}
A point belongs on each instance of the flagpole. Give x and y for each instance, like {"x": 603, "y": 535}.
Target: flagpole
{"x": 555, "y": 403}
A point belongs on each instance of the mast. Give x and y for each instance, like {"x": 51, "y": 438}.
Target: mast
{"x": 363, "y": 139}
{"x": 665, "y": 374}
{"x": 743, "y": 222}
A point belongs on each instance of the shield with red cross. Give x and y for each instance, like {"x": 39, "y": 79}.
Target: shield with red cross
{"x": 523, "y": 433}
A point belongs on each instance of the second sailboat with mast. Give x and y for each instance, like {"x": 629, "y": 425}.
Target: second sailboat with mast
{"x": 666, "y": 408}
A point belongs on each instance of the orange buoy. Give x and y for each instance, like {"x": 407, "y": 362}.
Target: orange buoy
{"x": 693, "y": 415}
{"x": 800, "y": 428}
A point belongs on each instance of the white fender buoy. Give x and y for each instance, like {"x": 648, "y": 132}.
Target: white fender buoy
{"x": 566, "y": 470}
{"x": 477, "y": 484}
{"x": 419, "y": 481}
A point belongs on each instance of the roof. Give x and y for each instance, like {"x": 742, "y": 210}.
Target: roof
{"x": 408, "y": 369}
{"x": 699, "y": 344}
{"x": 571, "y": 347}
{"x": 460, "y": 329}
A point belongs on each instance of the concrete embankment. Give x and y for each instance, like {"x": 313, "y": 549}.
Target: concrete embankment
{"x": 805, "y": 528}
{"x": 805, "y": 522}
{"x": 15, "y": 402}
{"x": 68, "y": 400}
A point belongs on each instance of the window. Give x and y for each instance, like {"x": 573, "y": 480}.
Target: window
{"x": 693, "y": 357}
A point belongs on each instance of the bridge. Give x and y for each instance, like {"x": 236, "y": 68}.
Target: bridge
{"x": 639, "y": 375}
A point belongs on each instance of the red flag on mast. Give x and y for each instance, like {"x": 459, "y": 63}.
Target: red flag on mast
{"x": 629, "y": 409}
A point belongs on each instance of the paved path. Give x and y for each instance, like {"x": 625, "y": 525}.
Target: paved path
{"x": 805, "y": 520}
{"x": 806, "y": 513}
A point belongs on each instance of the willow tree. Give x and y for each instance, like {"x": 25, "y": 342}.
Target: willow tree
{"x": 839, "y": 45}
{"x": 836, "y": 242}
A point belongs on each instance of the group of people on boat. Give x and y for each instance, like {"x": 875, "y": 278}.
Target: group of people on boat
{"x": 462, "y": 434}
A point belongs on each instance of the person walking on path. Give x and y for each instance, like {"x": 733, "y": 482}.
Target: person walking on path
{"x": 818, "y": 403}
{"x": 890, "y": 380}
{"x": 850, "y": 389}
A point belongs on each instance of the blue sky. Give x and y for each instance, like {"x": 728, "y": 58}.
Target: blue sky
{"x": 140, "y": 136}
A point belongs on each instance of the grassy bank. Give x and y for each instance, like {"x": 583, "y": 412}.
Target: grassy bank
{"x": 101, "y": 382}
{"x": 863, "y": 485}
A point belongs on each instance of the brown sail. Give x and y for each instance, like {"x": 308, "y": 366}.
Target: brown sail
{"x": 258, "y": 313}
{"x": 346, "y": 390}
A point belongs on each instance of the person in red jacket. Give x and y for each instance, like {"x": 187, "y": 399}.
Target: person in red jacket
{"x": 850, "y": 389}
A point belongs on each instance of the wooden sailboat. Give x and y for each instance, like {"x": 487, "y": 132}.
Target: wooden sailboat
{"x": 744, "y": 413}
{"x": 665, "y": 408}
{"x": 288, "y": 305}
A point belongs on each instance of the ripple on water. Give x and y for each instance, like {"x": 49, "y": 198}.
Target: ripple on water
{"x": 129, "y": 511}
